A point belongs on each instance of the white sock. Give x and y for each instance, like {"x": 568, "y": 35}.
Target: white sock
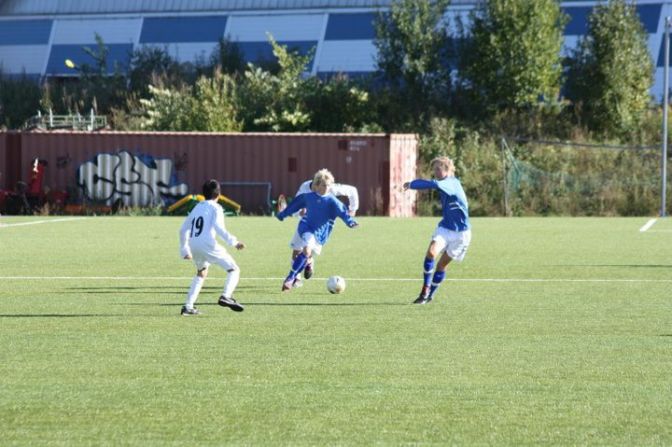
{"x": 231, "y": 282}
{"x": 194, "y": 290}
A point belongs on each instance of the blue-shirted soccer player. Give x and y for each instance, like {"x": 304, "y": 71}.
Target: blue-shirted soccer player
{"x": 453, "y": 234}
{"x": 315, "y": 226}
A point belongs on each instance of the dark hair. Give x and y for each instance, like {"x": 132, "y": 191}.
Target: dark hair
{"x": 211, "y": 189}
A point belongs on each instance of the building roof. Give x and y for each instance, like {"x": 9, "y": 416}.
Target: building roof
{"x": 60, "y": 7}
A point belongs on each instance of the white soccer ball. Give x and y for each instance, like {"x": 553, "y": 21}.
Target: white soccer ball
{"x": 335, "y": 284}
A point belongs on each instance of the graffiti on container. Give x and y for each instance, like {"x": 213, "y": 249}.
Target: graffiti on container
{"x": 133, "y": 180}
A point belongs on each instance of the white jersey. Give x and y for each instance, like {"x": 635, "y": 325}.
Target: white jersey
{"x": 200, "y": 228}
{"x": 337, "y": 189}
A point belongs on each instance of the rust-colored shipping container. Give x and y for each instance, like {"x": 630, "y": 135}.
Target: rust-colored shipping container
{"x": 3, "y": 156}
{"x": 148, "y": 167}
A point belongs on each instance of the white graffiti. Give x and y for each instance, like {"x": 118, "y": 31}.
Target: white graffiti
{"x": 133, "y": 180}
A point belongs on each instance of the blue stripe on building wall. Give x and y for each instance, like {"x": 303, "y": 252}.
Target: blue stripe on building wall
{"x": 263, "y": 51}
{"x": 118, "y": 56}
{"x": 25, "y": 32}
{"x": 649, "y": 15}
{"x": 356, "y": 26}
{"x": 183, "y": 29}
{"x": 578, "y": 20}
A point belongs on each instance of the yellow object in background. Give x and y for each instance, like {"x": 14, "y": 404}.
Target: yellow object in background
{"x": 187, "y": 203}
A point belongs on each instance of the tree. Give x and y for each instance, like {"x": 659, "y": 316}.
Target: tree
{"x": 216, "y": 102}
{"x": 510, "y": 57}
{"x": 19, "y": 100}
{"x": 148, "y": 65}
{"x": 276, "y": 102}
{"x": 413, "y": 50}
{"x": 611, "y": 72}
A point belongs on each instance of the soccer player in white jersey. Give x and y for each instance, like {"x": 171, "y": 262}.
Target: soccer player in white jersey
{"x": 198, "y": 242}
{"x": 337, "y": 189}
{"x": 322, "y": 209}
{"x": 453, "y": 234}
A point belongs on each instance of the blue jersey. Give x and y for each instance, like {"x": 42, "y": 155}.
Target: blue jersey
{"x": 453, "y": 201}
{"x": 321, "y": 212}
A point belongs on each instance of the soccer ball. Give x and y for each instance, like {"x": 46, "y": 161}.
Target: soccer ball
{"x": 335, "y": 284}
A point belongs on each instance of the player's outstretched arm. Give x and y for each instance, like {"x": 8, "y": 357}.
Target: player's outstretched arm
{"x": 420, "y": 183}
{"x": 343, "y": 214}
{"x": 294, "y": 206}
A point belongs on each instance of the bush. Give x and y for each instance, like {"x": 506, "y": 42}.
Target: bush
{"x": 19, "y": 100}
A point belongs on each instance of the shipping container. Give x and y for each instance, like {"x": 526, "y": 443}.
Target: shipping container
{"x": 151, "y": 168}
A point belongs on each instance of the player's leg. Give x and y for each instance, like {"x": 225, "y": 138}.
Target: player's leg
{"x": 223, "y": 259}
{"x": 316, "y": 249}
{"x": 455, "y": 250}
{"x": 196, "y": 285}
{"x": 439, "y": 274}
{"x": 297, "y": 246}
{"x": 298, "y": 263}
{"x": 435, "y": 247}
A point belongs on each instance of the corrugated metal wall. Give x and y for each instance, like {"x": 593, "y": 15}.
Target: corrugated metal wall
{"x": 376, "y": 164}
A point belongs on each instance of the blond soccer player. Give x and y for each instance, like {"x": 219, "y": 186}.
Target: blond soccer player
{"x": 452, "y": 236}
{"x": 296, "y": 244}
{"x": 322, "y": 209}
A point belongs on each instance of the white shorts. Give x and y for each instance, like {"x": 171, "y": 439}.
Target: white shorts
{"x": 218, "y": 255}
{"x": 454, "y": 243}
{"x": 298, "y": 242}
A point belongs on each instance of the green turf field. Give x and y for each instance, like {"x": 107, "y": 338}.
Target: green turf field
{"x": 553, "y": 331}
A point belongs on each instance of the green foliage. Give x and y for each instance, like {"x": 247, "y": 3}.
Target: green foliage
{"x": 583, "y": 181}
{"x": 152, "y": 65}
{"x": 209, "y": 106}
{"x": 228, "y": 57}
{"x": 169, "y": 109}
{"x": 338, "y": 105}
{"x": 216, "y": 102}
{"x": 510, "y": 59}
{"x": 478, "y": 165}
{"x": 278, "y": 100}
{"x": 413, "y": 49}
{"x": 95, "y": 89}
{"x": 611, "y": 72}
{"x": 19, "y": 100}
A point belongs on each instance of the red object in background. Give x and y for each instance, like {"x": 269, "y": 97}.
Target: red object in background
{"x": 3, "y": 195}
{"x": 57, "y": 198}
{"x": 36, "y": 177}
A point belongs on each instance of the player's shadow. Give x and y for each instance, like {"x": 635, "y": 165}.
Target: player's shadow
{"x": 309, "y": 303}
{"x": 147, "y": 290}
{"x": 252, "y": 304}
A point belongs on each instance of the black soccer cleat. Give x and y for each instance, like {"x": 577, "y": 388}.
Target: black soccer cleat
{"x": 308, "y": 271}
{"x": 189, "y": 312}
{"x": 230, "y": 303}
{"x": 423, "y": 297}
{"x": 422, "y": 300}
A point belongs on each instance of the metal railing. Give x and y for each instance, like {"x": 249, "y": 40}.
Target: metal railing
{"x": 50, "y": 121}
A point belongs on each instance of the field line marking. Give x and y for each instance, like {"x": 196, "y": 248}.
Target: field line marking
{"x": 36, "y": 222}
{"x": 648, "y": 225}
{"x": 186, "y": 278}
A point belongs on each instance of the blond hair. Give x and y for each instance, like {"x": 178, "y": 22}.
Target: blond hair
{"x": 445, "y": 162}
{"x": 323, "y": 177}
